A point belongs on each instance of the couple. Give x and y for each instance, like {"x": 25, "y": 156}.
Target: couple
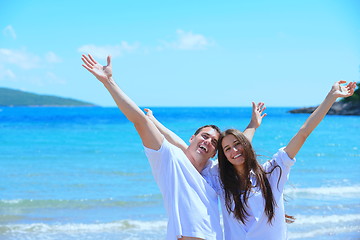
{"x": 251, "y": 195}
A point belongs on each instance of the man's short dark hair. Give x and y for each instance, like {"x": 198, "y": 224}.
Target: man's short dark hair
{"x": 216, "y": 128}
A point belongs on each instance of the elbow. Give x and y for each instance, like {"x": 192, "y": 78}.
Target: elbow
{"x": 303, "y": 134}
{"x": 141, "y": 122}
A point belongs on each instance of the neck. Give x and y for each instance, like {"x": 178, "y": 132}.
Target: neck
{"x": 197, "y": 162}
{"x": 240, "y": 171}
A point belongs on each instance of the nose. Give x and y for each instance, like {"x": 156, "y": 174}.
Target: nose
{"x": 234, "y": 149}
{"x": 207, "y": 141}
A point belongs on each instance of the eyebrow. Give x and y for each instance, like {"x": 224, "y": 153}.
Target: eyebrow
{"x": 232, "y": 142}
{"x": 213, "y": 138}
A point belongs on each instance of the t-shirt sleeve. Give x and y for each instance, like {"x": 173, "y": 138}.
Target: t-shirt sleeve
{"x": 211, "y": 175}
{"x": 161, "y": 159}
{"x": 279, "y": 169}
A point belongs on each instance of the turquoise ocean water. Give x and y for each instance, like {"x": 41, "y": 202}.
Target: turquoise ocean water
{"x": 81, "y": 173}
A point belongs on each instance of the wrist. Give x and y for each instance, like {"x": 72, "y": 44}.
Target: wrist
{"x": 253, "y": 125}
{"x": 332, "y": 95}
{"x": 108, "y": 81}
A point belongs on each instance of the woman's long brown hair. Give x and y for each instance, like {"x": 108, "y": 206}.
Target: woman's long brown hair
{"x": 237, "y": 188}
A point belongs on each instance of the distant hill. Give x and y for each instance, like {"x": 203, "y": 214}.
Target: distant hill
{"x": 346, "y": 106}
{"x": 12, "y": 97}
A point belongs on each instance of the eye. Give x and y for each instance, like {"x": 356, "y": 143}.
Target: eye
{"x": 214, "y": 143}
{"x": 205, "y": 136}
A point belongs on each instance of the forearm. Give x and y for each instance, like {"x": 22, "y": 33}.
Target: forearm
{"x": 170, "y": 136}
{"x": 249, "y": 132}
{"x": 256, "y": 119}
{"x": 311, "y": 123}
{"x": 132, "y": 112}
{"x": 149, "y": 134}
{"x": 317, "y": 116}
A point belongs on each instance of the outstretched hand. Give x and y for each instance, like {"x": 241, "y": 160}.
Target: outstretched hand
{"x": 343, "y": 91}
{"x": 257, "y": 114}
{"x": 102, "y": 73}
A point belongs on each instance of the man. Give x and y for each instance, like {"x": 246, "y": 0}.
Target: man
{"x": 191, "y": 203}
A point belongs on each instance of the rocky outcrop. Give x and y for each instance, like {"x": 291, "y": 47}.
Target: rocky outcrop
{"x": 338, "y": 108}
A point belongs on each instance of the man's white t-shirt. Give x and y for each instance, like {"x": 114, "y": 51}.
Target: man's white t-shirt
{"x": 257, "y": 226}
{"x": 191, "y": 203}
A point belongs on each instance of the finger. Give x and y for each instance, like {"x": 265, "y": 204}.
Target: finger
{"x": 253, "y": 105}
{"x": 351, "y": 89}
{"x": 86, "y": 61}
{"x": 88, "y": 68}
{"x": 109, "y": 60}
{"x": 86, "y": 58}
{"x": 262, "y": 106}
{"x": 264, "y": 115}
{"x": 258, "y": 106}
{"x": 351, "y": 85}
{"x": 92, "y": 59}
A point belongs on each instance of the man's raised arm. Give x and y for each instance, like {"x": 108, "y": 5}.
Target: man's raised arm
{"x": 149, "y": 134}
{"x": 256, "y": 119}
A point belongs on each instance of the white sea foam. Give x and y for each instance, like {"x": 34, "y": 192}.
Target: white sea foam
{"x": 346, "y": 191}
{"x": 135, "y": 229}
{"x": 85, "y": 228}
{"x": 326, "y": 219}
{"x": 323, "y": 232}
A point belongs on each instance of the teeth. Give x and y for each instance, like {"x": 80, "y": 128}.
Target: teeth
{"x": 236, "y": 156}
{"x": 202, "y": 147}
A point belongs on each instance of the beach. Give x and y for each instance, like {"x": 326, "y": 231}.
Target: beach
{"x": 81, "y": 172}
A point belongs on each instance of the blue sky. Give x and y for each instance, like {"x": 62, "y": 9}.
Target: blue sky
{"x": 182, "y": 53}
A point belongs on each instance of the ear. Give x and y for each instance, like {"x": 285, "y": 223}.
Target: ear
{"x": 192, "y": 137}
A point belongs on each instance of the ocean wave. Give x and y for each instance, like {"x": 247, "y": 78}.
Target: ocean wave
{"x": 346, "y": 191}
{"x": 74, "y": 204}
{"x": 326, "y": 219}
{"x": 136, "y": 229}
{"x": 325, "y": 232}
{"x": 70, "y": 228}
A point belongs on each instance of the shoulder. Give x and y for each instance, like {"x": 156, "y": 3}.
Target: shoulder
{"x": 166, "y": 150}
{"x": 211, "y": 174}
{"x": 281, "y": 159}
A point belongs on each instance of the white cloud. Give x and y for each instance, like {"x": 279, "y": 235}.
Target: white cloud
{"x": 25, "y": 60}
{"x": 103, "y": 51}
{"x": 51, "y": 57}
{"x": 20, "y": 64}
{"x": 19, "y": 58}
{"x": 188, "y": 41}
{"x": 6, "y": 73}
{"x": 9, "y": 31}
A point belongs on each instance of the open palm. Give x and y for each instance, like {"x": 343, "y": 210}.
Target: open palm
{"x": 344, "y": 91}
{"x": 102, "y": 73}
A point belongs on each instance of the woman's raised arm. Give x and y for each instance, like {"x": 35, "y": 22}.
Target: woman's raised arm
{"x": 315, "y": 118}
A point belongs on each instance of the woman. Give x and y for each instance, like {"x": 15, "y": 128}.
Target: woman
{"x": 251, "y": 194}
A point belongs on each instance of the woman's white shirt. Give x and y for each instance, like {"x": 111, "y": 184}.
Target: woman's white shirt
{"x": 257, "y": 226}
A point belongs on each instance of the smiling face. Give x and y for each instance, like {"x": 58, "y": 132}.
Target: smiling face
{"x": 204, "y": 143}
{"x": 234, "y": 151}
